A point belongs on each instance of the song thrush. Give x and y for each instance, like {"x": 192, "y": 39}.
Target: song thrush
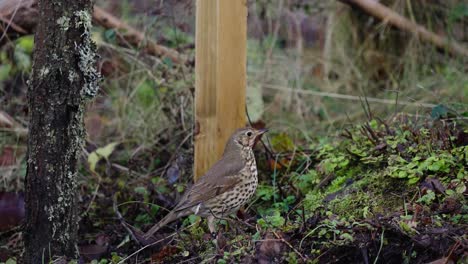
{"x": 225, "y": 187}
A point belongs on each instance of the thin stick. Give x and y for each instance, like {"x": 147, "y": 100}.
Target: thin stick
{"x": 122, "y": 220}
{"x": 154, "y": 243}
{"x": 381, "y": 245}
{"x": 11, "y": 20}
{"x": 346, "y": 96}
{"x": 289, "y": 245}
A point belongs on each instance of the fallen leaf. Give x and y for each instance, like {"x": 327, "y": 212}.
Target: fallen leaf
{"x": 100, "y": 153}
{"x": 270, "y": 248}
{"x": 450, "y": 205}
{"x": 7, "y": 157}
{"x": 90, "y": 252}
{"x": 11, "y": 210}
{"x": 166, "y": 251}
{"x": 432, "y": 184}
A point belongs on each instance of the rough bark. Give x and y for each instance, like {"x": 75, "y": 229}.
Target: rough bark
{"x": 63, "y": 77}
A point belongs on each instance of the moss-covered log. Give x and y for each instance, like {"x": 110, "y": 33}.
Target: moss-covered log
{"x": 63, "y": 77}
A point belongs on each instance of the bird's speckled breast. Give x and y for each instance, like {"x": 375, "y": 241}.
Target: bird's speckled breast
{"x": 239, "y": 195}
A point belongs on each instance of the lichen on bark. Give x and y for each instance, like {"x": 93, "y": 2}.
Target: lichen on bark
{"x": 87, "y": 54}
{"x": 63, "y": 79}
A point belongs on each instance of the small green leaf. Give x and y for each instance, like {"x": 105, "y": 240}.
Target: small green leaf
{"x": 347, "y": 237}
{"x": 282, "y": 142}
{"x": 5, "y": 70}
{"x": 143, "y": 218}
{"x": 106, "y": 151}
{"x": 22, "y": 59}
{"x": 168, "y": 62}
{"x": 428, "y": 198}
{"x": 26, "y": 43}
{"x": 439, "y": 111}
{"x": 402, "y": 174}
{"x": 100, "y": 153}
{"x": 193, "y": 218}
{"x": 145, "y": 93}
{"x": 276, "y": 220}
{"x": 110, "y": 35}
{"x": 140, "y": 190}
{"x": 93, "y": 159}
{"x": 115, "y": 258}
{"x": 11, "y": 261}
{"x": 461, "y": 188}
{"x": 413, "y": 180}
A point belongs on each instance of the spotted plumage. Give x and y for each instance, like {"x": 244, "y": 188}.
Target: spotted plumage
{"x": 225, "y": 187}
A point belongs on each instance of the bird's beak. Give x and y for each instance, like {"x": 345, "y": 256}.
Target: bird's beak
{"x": 261, "y": 132}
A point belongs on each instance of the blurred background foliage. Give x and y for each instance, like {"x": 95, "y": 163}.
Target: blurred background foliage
{"x": 361, "y": 115}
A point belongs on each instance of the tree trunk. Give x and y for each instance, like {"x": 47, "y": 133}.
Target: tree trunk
{"x": 64, "y": 75}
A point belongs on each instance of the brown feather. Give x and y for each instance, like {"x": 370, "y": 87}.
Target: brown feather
{"x": 216, "y": 180}
{"x": 222, "y": 177}
{"x": 219, "y": 179}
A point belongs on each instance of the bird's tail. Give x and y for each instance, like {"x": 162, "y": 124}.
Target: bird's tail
{"x": 166, "y": 220}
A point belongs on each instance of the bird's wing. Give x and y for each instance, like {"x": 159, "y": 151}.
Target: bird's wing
{"x": 223, "y": 176}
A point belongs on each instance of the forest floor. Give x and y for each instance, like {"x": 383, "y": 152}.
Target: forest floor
{"x": 385, "y": 191}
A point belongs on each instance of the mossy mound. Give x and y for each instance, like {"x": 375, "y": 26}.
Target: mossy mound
{"x": 383, "y": 192}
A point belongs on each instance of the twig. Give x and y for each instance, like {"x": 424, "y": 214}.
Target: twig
{"x": 147, "y": 246}
{"x": 454, "y": 247}
{"x": 346, "y": 96}
{"x": 94, "y": 194}
{"x": 310, "y": 233}
{"x": 381, "y": 245}
{"x": 122, "y": 220}
{"x": 154, "y": 243}
{"x": 12, "y": 25}
{"x": 289, "y": 245}
{"x": 11, "y": 19}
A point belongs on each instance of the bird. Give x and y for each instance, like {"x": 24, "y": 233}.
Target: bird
{"x": 225, "y": 187}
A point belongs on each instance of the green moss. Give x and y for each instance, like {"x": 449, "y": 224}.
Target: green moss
{"x": 375, "y": 168}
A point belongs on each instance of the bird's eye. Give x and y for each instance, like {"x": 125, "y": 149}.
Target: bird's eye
{"x": 249, "y": 133}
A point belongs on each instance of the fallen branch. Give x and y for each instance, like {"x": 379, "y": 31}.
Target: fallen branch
{"x": 23, "y": 22}
{"x": 134, "y": 36}
{"x": 387, "y": 15}
{"x": 18, "y": 16}
{"x": 10, "y": 23}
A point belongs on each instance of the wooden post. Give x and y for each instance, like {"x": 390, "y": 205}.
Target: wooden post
{"x": 221, "y": 39}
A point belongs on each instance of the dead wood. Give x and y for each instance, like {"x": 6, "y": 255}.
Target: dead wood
{"x": 20, "y": 16}
{"x": 387, "y": 15}
{"x": 135, "y": 37}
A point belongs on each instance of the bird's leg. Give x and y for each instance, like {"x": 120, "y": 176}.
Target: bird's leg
{"x": 211, "y": 225}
